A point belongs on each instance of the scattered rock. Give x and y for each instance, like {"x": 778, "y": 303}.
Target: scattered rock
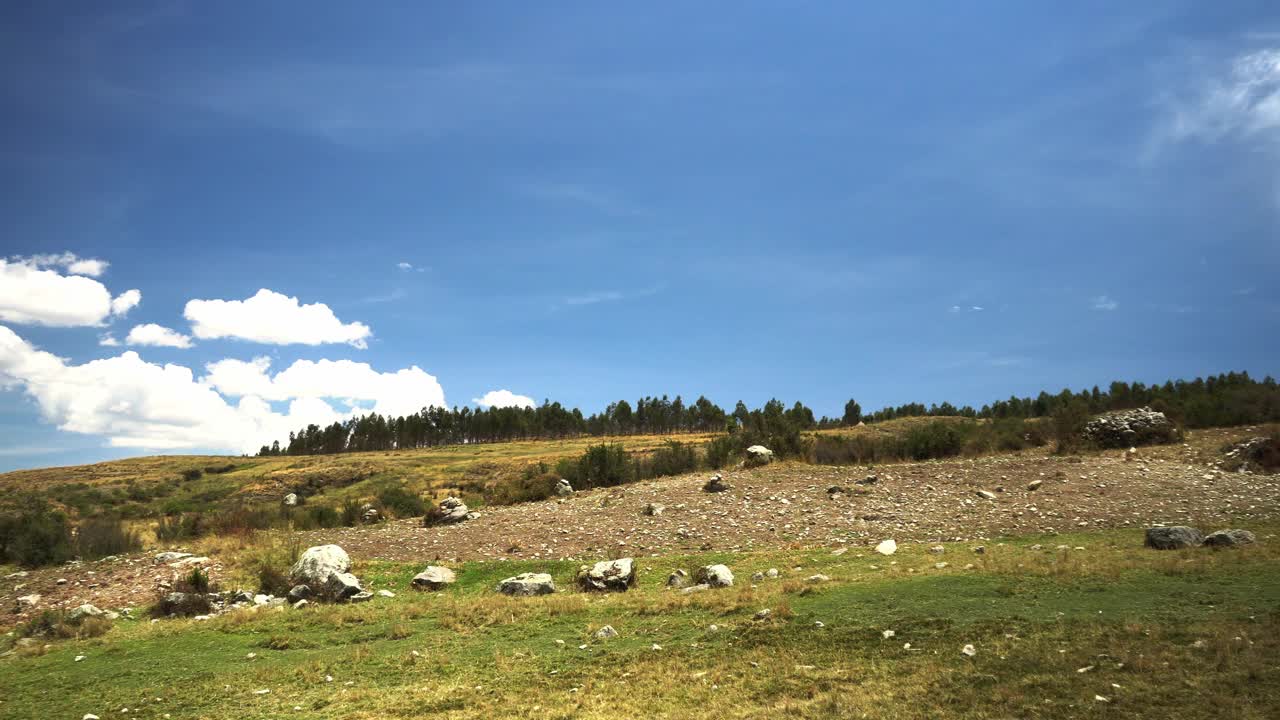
{"x": 653, "y": 509}
{"x": 608, "y": 576}
{"x": 968, "y": 651}
{"x": 764, "y": 614}
{"x": 317, "y": 564}
{"x": 868, "y": 480}
{"x": 1127, "y": 428}
{"x": 450, "y": 511}
{"x": 165, "y": 558}
{"x": 758, "y": 455}
{"x": 715, "y": 485}
{"x": 1034, "y": 485}
{"x": 771, "y": 573}
{"x": 677, "y": 579}
{"x": 1173, "y": 537}
{"x": 386, "y": 594}
{"x": 28, "y": 602}
{"x": 563, "y": 488}
{"x": 937, "y": 549}
{"x": 299, "y": 592}
{"x": 986, "y": 494}
{"x": 819, "y": 578}
{"x": 343, "y": 586}
{"x": 291, "y": 499}
{"x": 714, "y": 576}
{"x": 76, "y": 616}
{"x": 606, "y": 632}
{"x": 887, "y": 547}
{"x": 434, "y": 578}
{"x": 980, "y": 550}
{"x": 526, "y": 584}
{"x": 1228, "y": 538}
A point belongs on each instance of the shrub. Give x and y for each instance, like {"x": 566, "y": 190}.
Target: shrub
{"x": 719, "y": 451}
{"x": 182, "y": 604}
{"x": 673, "y": 458}
{"x": 269, "y": 563}
{"x": 196, "y": 581}
{"x": 242, "y": 520}
{"x": 219, "y": 469}
{"x": 36, "y": 535}
{"x": 192, "y": 474}
{"x": 401, "y": 502}
{"x": 180, "y": 527}
{"x": 100, "y": 537}
{"x": 535, "y": 482}
{"x": 315, "y": 516}
{"x": 53, "y": 624}
{"x": 350, "y": 513}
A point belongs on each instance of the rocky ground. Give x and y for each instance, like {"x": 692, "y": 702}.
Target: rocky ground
{"x": 784, "y": 504}
{"x": 789, "y": 504}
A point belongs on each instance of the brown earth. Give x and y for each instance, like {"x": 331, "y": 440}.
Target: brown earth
{"x": 788, "y": 504}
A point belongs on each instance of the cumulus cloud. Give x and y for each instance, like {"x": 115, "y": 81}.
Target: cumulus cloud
{"x": 137, "y": 404}
{"x": 270, "y": 317}
{"x": 503, "y": 398}
{"x": 156, "y": 336}
{"x": 31, "y": 294}
{"x": 73, "y": 264}
{"x": 1102, "y": 302}
{"x": 108, "y": 340}
{"x": 125, "y": 301}
{"x": 356, "y": 384}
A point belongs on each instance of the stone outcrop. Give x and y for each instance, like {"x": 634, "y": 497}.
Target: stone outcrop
{"x": 608, "y": 576}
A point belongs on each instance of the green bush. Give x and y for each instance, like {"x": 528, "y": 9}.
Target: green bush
{"x": 181, "y": 527}
{"x": 673, "y": 458}
{"x": 401, "y": 502}
{"x": 103, "y": 536}
{"x": 192, "y": 474}
{"x": 36, "y": 535}
{"x": 536, "y": 482}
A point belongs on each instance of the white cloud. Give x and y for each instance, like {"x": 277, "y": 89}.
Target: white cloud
{"x": 1102, "y": 302}
{"x": 73, "y": 264}
{"x": 125, "y": 301}
{"x": 593, "y": 298}
{"x": 503, "y": 398}
{"x": 30, "y": 294}
{"x": 108, "y": 340}
{"x": 399, "y": 393}
{"x": 270, "y": 317}
{"x": 137, "y": 404}
{"x": 1242, "y": 100}
{"x": 404, "y": 265}
{"x": 158, "y": 336}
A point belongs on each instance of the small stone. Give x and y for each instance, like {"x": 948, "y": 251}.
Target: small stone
{"x": 606, "y": 632}
{"x": 386, "y": 594}
{"x": 968, "y": 651}
{"x": 887, "y": 547}
{"x": 887, "y": 634}
{"x": 764, "y": 614}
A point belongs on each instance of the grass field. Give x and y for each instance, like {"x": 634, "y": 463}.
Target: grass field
{"x": 1185, "y": 634}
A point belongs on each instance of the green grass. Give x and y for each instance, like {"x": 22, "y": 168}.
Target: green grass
{"x": 1036, "y": 617}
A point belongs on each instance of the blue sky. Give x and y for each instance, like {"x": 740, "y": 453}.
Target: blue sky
{"x": 584, "y": 202}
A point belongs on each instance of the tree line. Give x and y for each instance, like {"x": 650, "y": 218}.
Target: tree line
{"x": 1225, "y": 399}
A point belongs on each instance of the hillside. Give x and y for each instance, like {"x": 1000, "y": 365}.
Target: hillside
{"x": 1067, "y": 615}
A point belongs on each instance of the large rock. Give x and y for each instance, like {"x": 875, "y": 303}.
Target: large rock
{"x": 527, "y": 584}
{"x": 343, "y": 586}
{"x": 563, "y": 488}
{"x": 1174, "y": 537}
{"x": 715, "y": 484}
{"x": 318, "y": 564}
{"x": 451, "y": 510}
{"x": 78, "y": 615}
{"x": 28, "y": 602}
{"x": 887, "y": 547}
{"x": 714, "y": 576}
{"x": 678, "y": 579}
{"x": 608, "y": 576}
{"x": 296, "y": 593}
{"x": 165, "y": 558}
{"x": 1130, "y": 428}
{"x": 758, "y": 455}
{"x": 291, "y": 499}
{"x": 434, "y": 578}
{"x": 1229, "y": 538}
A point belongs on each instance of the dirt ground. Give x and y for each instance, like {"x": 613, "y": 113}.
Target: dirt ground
{"x": 789, "y": 504}
{"x": 785, "y": 504}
